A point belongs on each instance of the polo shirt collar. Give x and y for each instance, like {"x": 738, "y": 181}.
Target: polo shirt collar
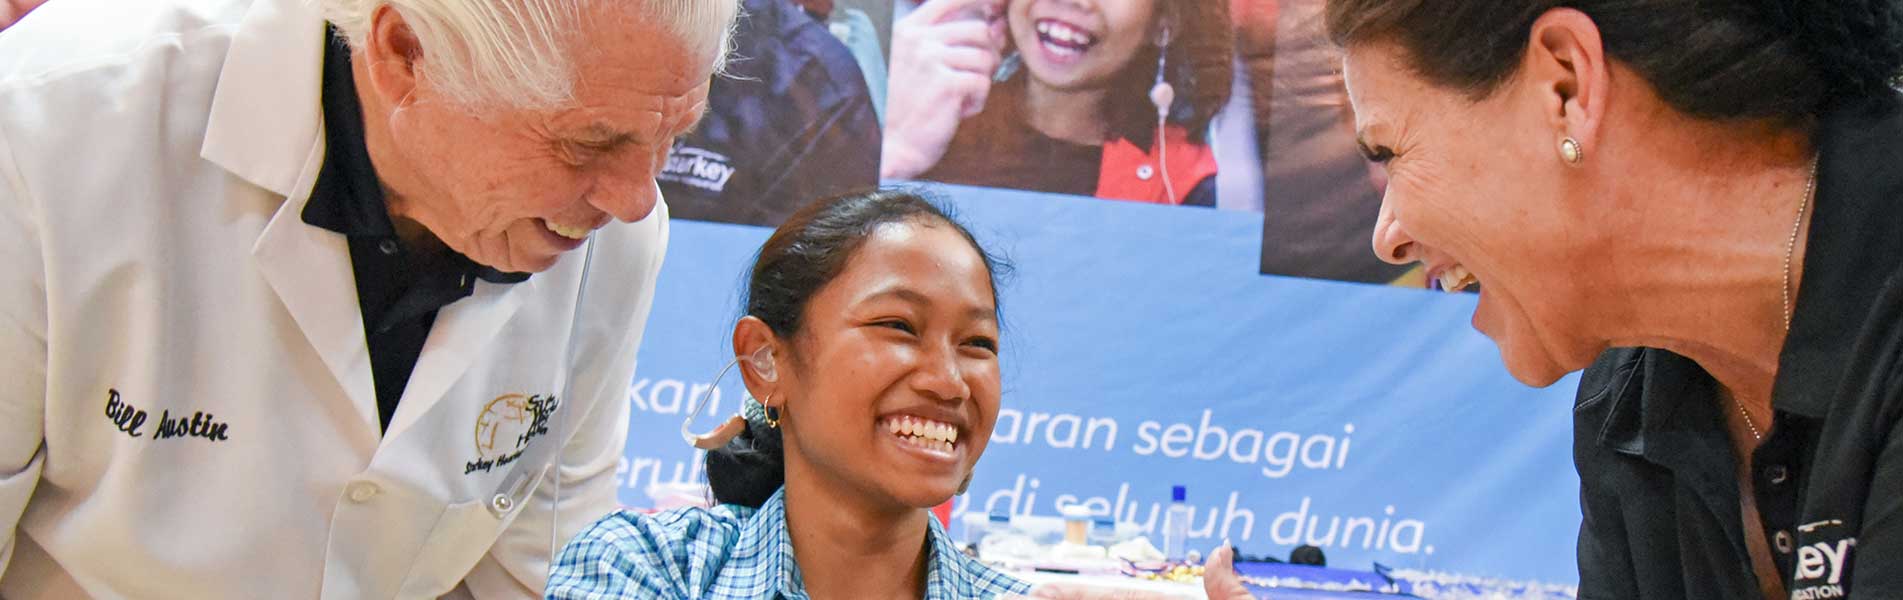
{"x": 1847, "y": 254}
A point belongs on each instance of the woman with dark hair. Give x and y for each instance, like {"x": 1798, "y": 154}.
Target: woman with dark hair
{"x": 871, "y": 339}
{"x": 1698, "y": 202}
{"x": 1105, "y": 98}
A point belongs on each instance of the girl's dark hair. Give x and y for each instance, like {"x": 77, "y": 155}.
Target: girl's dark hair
{"x": 802, "y": 256}
{"x": 1201, "y": 67}
{"x": 1780, "y": 60}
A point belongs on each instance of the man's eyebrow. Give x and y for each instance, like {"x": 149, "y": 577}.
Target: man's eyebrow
{"x": 602, "y": 133}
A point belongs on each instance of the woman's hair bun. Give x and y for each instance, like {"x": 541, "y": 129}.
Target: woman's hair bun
{"x": 1854, "y": 46}
{"x": 749, "y": 469}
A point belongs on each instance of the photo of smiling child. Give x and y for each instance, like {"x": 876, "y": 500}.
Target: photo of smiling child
{"x": 1104, "y": 98}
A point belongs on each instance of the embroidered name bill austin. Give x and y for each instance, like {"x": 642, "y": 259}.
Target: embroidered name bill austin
{"x": 129, "y": 419}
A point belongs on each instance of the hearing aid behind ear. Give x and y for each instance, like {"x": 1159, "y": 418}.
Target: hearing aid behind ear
{"x": 764, "y": 366}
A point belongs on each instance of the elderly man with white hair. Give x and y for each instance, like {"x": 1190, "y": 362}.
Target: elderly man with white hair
{"x": 326, "y": 298}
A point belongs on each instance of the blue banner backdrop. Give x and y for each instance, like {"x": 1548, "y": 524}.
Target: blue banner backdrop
{"x": 1142, "y": 350}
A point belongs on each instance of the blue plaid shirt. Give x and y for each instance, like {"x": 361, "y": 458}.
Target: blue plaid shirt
{"x": 729, "y": 552}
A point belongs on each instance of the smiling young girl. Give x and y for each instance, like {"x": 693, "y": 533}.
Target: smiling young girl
{"x": 1077, "y": 111}
{"x": 871, "y": 340}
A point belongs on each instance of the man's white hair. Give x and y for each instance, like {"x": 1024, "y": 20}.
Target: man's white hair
{"x": 516, "y": 52}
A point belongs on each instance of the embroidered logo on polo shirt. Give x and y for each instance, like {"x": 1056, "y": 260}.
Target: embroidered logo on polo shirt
{"x": 1821, "y": 565}
{"x": 506, "y": 426}
{"x": 697, "y": 167}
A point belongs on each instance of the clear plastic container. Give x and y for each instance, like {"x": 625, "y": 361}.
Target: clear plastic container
{"x": 1176, "y": 526}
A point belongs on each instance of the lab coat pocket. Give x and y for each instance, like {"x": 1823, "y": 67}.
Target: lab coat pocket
{"x": 461, "y": 536}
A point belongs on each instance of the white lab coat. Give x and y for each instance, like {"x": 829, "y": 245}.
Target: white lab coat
{"x": 155, "y": 156}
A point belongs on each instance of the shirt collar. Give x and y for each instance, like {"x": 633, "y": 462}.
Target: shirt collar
{"x": 1845, "y": 261}
{"x": 1855, "y": 237}
{"x": 263, "y": 124}
{"x": 772, "y": 558}
{"x": 348, "y": 196}
{"x": 1664, "y": 410}
{"x": 946, "y": 578}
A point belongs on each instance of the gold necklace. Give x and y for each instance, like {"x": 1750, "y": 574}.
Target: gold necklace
{"x": 1790, "y": 251}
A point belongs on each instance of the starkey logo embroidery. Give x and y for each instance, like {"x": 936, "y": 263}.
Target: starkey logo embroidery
{"x": 506, "y": 426}
{"x": 1820, "y": 569}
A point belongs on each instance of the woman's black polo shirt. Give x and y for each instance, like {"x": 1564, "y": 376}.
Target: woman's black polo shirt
{"x": 1657, "y": 475}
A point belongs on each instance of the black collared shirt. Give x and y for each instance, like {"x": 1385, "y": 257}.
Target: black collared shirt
{"x": 1657, "y": 475}
{"x": 399, "y": 289}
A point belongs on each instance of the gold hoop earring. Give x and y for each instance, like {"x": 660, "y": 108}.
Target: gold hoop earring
{"x": 1571, "y": 152}
{"x": 772, "y": 413}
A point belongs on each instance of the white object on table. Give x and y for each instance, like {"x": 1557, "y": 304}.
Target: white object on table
{"x": 1191, "y": 591}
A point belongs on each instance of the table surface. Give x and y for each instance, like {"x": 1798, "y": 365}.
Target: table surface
{"x": 1195, "y": 591}
{"x": 1118, "y": 582}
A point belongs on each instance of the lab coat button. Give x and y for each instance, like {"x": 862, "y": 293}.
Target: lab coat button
{"x": 502, "y": 503}
{"x": 362, "y": 491}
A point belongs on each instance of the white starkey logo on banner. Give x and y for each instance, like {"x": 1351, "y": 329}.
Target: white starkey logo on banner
{"x": 698, "y": 167}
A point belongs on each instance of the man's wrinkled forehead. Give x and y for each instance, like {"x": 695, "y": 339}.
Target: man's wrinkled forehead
{"x": 623, "y": 34}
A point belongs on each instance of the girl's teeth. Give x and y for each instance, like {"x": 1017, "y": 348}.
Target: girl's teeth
{"x": 931, "y": 434}
{"x": 1063, "y": 33}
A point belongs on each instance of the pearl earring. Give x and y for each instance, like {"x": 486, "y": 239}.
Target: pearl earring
{"x": 1571, "y": 152}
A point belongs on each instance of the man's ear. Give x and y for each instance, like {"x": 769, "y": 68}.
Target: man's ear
{"x": 393, "y": 57}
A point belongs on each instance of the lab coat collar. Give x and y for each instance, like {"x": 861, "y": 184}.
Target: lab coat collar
{"x": 265, "y": 114}
{"x": 266, "y": 128}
